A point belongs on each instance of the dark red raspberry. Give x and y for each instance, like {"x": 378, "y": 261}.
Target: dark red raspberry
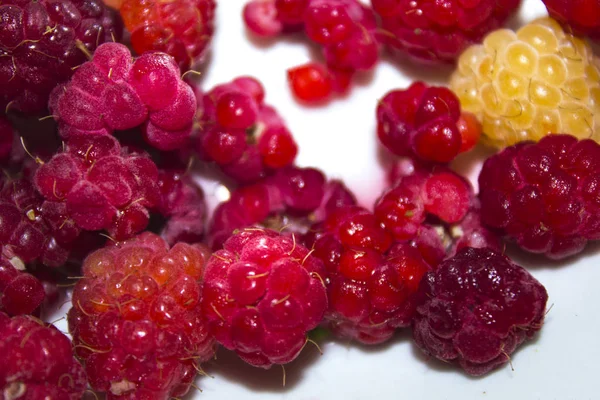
{"x": 372, "y": 280}
{"x": 38, "y": 361}
{"x": 438, "y": 31}
{"x": 581, "y": 17}
{"x": 114, "y": 92}
{"x": 545, "y": 196}
{"x": 182, "y": 29}
{"x": 20, "y": 292}
{"x": 262, "y": 293}
{"x": 7, "y": 139}
{"x": 239, "y": 132}
{"x": 290, "y": 201}
{"x": 94, "y": 184}
{"x": 476, "y": 308}
{"x": 136, "y": 321}
{"x": 425, "y": 121}
{"x": 41, "y": 43}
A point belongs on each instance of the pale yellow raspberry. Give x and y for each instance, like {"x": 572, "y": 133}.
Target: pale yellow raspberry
{"x": 524, "y": 85}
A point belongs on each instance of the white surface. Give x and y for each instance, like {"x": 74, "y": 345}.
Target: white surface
{"x": 560, "y": 364}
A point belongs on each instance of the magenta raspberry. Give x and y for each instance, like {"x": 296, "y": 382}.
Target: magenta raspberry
{"x": 41, "y": 42}
{"x": 544, "y": 196}
{"x": 114, "y": 92}
{"x": 136, "y": 319}
{"x": 262, "y": 293}
{"x": 38, "y": 361}
{"x": 476, "y": 308}
{"x": 438, "y": 31}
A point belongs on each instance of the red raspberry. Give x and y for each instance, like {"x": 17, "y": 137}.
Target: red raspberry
{"x": 136, "y": 319}
{"x": 112, "y": 92}
{"x": 291, "y": 200}
{"x": 438, "y": 31}
{"x": 239, "y": 132}
{"x": 37, "y": 361}
{"x": 425, "y": 121}
{"x": 182, "y": 29}
{"x": 476, "y": 308}
{"x": 262, "y": 293}
{"x": 94, "y": 184}
{"x": 544, "y": 196}
{"x": 581, "y": 17}
{"x": 20, "y": 293}
{"x": 41, "y": 43}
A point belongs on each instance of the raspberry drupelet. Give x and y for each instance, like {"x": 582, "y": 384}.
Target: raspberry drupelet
{"x": 243, "y": 135}
{"x": 41, "y": 42}
{"x": 113, "y": 91}
{"x": 476, "y": 308}
{"x": 526, "y": 84}
{"x": 262, "y": 293}
{"x": 38, "y": 361}
{"x": 545, "y": 195}
{"x": 436, "y": 32}
{"x": 94, "y": 184}
{"x": 136, "y": 320}
{"x": 182, "y": 29}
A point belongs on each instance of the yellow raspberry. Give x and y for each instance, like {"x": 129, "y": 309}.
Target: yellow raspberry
{"x": 524, "y": 85}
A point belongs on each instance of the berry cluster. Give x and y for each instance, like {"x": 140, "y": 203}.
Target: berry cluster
{"x": 240, "y": 133}
{"x": 112, "y": 92}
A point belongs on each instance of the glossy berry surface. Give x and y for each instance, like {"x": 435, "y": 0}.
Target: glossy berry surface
{"x": 476, "y": 309}
{"x": 310, "y": 83}
{"x": 182, "y": 29}
{"x": 41, "y": 42}
{"x": 136, "y": 321}
{"x": 262, "y": 293}
{"x": 544, "y": 196}
{"x": 38, "y": 361}
{"x": 526, "y": 84}
{"x": 438, "y": 31}
{"x": 582, "y": 17}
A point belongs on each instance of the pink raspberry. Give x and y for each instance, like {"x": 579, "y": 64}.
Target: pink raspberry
{"x": 438, "y": 31}
{"x": 94, "y": 184}
{"x": 112, "y": 92}
{"x": 476, "y": 308}
{"x": 136, "y": 319}
{"x": 241, "y": 134}
{"x": 20, "y": 292}
{"x": 38, "y": 361}
{"x": 545, "y": 195}
{"x": 262, "y": 293}
{"x": 41, "y": 43}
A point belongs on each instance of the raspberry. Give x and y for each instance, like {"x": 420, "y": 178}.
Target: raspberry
{"x": 136, "y": 320}
{"x": 94, "y": 184}
{"x": 528, "y": 84}
{"x": 42, "y": 41}
{"x": 423, "y": 121}
{"x": 37, "y": 362}
{"x": 182, "y": 29}
{"x": 544, "y": 196}
{"x": 291, "y": 200}
{"x": 111, "y": 92}
{"x": 20, "y": 292}
{"x": 475, "y": 310}
{"x": 436, "y": 32}
{"x": 581, "y": 17}
{"x": 372, "y": 280}
{"x": 262, "y": 293}
{"x": 242, "y": 134}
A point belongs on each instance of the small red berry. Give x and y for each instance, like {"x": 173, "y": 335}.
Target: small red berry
{"x": 310, "y": 83}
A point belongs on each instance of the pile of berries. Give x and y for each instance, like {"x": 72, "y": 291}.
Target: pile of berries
{"x": 162, "y": 281}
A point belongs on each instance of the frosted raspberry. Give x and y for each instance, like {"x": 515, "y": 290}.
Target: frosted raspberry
{"x": 476, "y": 308}
{"x": 581, "y": 17}
{"x": 438, "y": 31}
{"x": 524, "y": 85}
{"x": 37, "y": 362}
{"x": 94, "y": 184}
{"x": 239, "y": 132}
{"x": 262, "y": 293}
{"x": 182, "y": 29}
{"x": 136, "y": 319}
{"x": 290, "y": 201}
{"x": 42, "y": 41}
{"x": 20, "y": 292}
{"x": 112, "y": 92}
{"x": 544, "y": 196}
